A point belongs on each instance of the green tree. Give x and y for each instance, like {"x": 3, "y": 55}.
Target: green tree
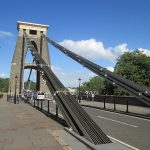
{"x": 109, "y": 89}
{"x": 4, "y": 84}
{"x": 134, "y": 66}
{"x": 95, "y": 84}
{"x": 32, "y": 85}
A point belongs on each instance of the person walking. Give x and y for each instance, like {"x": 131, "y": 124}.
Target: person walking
{"x": 93, "y": 95}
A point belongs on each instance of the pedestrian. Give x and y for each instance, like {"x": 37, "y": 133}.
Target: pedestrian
{"x": 93, "y": 96}
{"x": 87, "y": 96}
{"x": 76, "y": 97}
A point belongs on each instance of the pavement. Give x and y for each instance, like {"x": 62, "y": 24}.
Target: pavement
{"x": 24, "y": 128}
{"x": 131, "y": 109}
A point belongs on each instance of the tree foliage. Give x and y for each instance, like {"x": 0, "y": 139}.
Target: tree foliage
{"x": 32, "y": 85}
{"x": 95, "y": 84}
{"x": 134, "y": 66}
{"x": 4, "y": 84}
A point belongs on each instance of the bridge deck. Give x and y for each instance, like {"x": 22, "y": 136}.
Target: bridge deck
{"x": 24, "y": 128}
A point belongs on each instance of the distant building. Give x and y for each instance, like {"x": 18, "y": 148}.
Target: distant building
{"x": 73, "y": 91}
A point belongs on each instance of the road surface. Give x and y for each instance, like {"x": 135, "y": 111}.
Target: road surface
{"x": 131, "y": 130}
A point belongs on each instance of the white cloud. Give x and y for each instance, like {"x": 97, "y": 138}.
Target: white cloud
{"x": 70, "y": 79}
{"x": 56, "y": 68}
{"x": 120, "y": 49}
{"x": 90, "y": 49}
{"x": 145, "y": 51}
{"x": 3, "y": 75}
{"x": 110, "y": 68}
{"x": 93, "y": 49}
{"x": 5, "y": 34}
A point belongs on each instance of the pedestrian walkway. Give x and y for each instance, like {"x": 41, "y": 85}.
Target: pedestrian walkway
{"x": 119, "y": 107}
{"x": 24, "y": 128}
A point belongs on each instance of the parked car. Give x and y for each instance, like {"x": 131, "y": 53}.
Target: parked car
{"x": 39, "y": 95}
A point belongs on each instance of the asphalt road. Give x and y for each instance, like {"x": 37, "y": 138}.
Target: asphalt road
{"x": 130, "y": 130}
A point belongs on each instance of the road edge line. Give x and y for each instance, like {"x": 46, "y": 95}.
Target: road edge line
{"x": 132, "y": 147}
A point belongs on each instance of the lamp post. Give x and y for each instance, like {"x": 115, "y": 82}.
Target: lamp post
{"x": 9, "y": 92}
{"x": 16, "y": 78}
{"x": 10, "y": 89}
{"x": 79, "y": 90}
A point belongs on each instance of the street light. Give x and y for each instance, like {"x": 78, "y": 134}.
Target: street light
{"x": 9, "y": 92}
{"x": 79, "y": 90}
{"x": 16, "y": 78}
{"x": 10, "y": 89}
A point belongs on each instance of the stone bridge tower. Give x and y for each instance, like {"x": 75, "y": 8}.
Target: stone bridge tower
{"x": 18, "y": 62}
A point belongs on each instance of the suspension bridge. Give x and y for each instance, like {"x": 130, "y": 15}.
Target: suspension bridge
{"x": 33, "y": 38}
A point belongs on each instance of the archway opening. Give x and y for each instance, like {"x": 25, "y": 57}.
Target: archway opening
{"x": 30, "y": 79}
{"x": 28, "y": 56}
{"x": 31, "y": 75}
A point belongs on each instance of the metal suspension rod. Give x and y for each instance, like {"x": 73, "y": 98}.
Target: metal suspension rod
{"x": 139, "y": 92}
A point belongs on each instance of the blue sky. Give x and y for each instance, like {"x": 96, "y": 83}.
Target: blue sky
{"x": 100, "y": 30}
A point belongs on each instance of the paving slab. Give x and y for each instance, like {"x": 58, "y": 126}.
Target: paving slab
{"x": 132, "y": 109}
{"x": 24, "y": 128}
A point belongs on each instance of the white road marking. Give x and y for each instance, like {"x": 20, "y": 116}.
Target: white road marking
{"x": 118, "y": 114}
{"x": 123, "y": 143}
{"x": 118, "y": 121}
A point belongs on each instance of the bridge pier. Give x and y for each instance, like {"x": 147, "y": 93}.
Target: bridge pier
{"x": 18, "y": 63}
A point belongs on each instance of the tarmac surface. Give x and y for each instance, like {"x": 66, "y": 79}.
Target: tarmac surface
{"x": 132, "y": 131}
{"x": 24, "y": 128}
